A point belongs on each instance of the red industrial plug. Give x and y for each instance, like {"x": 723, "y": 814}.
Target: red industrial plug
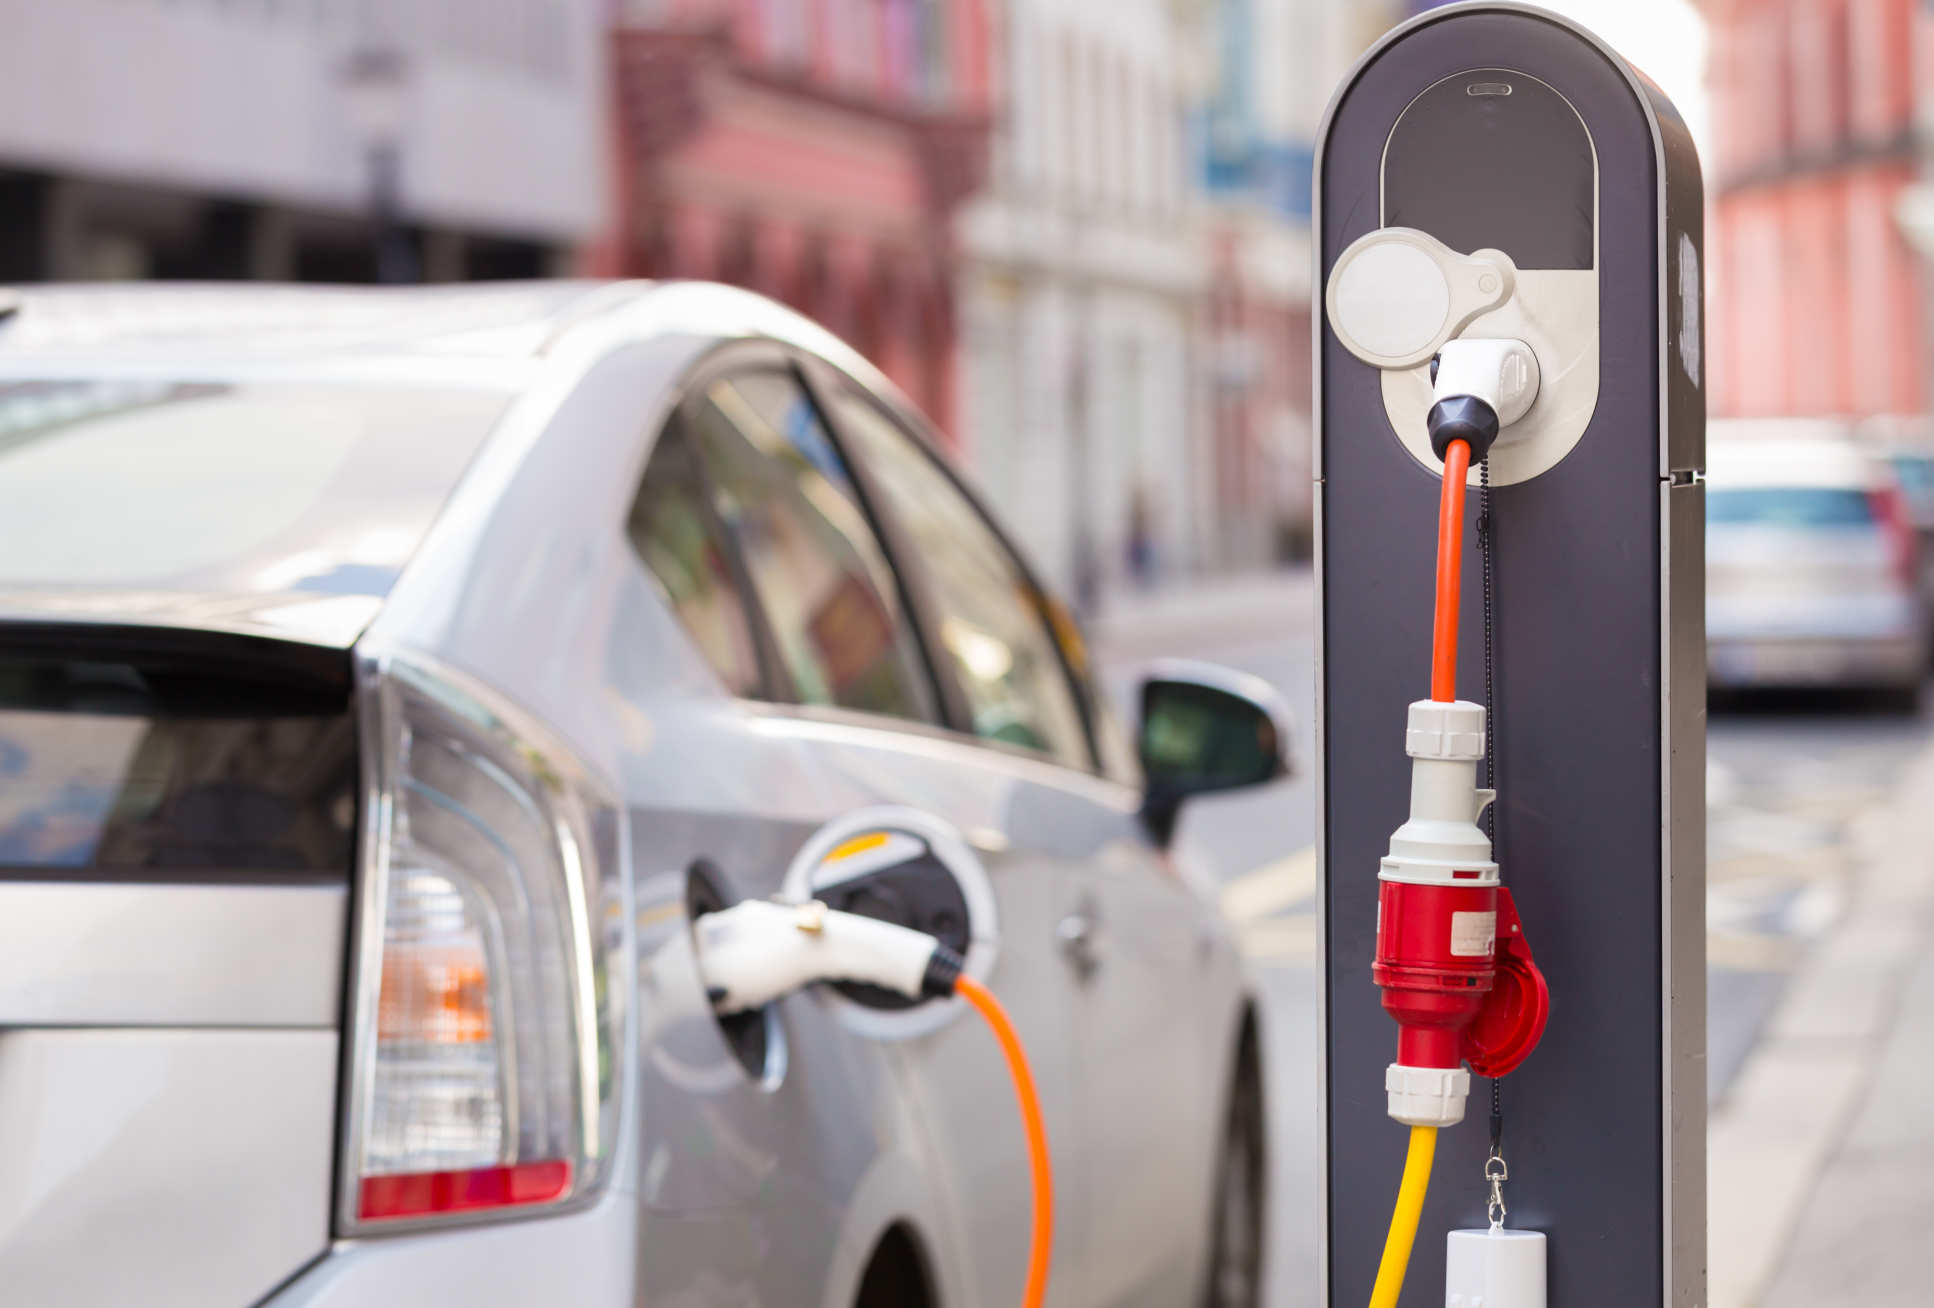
{"x": 1487, "y": 1009}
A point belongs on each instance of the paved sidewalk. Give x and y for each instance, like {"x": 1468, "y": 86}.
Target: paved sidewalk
{"x": 1822, "y": 1156}
{"x": 1205, "y": 612}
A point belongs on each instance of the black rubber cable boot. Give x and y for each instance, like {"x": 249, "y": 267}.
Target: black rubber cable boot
{"x": 1462, "y": 418}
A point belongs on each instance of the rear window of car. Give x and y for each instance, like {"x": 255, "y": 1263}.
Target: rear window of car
{"x": 1789, "y": 506}
{"x": 217, "y": 488}
{"x": 112, "y": 769}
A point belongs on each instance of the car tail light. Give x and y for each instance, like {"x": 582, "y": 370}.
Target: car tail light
{"x": 487, "y": 1003}
{"x": 1890, "y": 510}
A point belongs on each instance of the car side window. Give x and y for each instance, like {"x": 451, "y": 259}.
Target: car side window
{"x": 683, "y": 547}
{"x": 820, "y": 574}
{"x": 991, "y": 621}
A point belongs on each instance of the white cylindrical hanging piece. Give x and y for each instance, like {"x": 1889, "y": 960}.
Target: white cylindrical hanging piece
{"x": 1495, "y": 1269}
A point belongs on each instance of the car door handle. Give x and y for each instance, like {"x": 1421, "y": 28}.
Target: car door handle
{"x": 1075, "y": 934}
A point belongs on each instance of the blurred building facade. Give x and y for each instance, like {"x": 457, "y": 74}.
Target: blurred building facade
{"x": 1136, "y": 296}
{"x": 1261, "y": 75}
{"x": 813, "y": 150}
{"x": 214, "y": 139}
{"x": 1817, "y": 303}
{"x": 1083, "y": 276}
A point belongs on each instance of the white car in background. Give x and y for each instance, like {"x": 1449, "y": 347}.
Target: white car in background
{"x": 1812, "y": 563}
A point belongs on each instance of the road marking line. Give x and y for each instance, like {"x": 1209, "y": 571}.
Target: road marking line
{"x": 1751, "y": 953}
{"x": 1271, "y": 887}
{"x": 1279, "y": 941}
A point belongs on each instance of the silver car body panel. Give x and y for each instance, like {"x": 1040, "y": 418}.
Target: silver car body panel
{"x": 162, "y": 1167}
{"x": 135, "y": 954}
{"x": 729, "y": 1187}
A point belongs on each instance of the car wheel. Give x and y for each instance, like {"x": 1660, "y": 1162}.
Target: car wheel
{"x": 1241, "y": 1191}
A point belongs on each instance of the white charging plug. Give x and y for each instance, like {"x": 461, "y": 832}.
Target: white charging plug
{"x": 1499, "y": 372}
{"x": 758, "y": 950}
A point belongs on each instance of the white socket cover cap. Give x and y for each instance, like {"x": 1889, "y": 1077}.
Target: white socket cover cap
{"x": 1494, "y": 1269}
{"x": 1397, "y": 294}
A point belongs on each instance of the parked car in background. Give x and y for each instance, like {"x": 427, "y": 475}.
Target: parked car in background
{"x": 1913, "y": 467}
{"x": 387, "y": 679}
{"x": 1812, "y": 563}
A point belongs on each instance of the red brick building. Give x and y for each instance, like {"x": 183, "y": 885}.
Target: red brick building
{"x": 1816, "y": 297}
{"x": 813, "y": 150}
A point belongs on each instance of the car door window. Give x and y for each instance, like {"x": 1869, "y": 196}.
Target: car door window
{"x": 991, "y": 621}
{"x": 818, "y": 571}
{"x": 682, "y": 545}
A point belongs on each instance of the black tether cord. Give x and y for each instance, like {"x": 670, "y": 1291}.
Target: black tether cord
{"x": 1487, "y": 546}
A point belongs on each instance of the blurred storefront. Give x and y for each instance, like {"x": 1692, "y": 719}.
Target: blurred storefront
{"x": 1817, "y": 302}
{"x": 813, "y": 150}
{"x": 304, "y": 139}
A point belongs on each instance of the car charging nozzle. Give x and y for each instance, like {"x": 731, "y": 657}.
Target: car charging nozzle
{"x": 759, "y": 949}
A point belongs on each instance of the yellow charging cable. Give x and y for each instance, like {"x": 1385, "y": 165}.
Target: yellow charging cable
{"x": 1403, "y": 1222}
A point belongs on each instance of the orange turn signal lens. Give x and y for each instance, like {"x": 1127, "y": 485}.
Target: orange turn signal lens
{"x": 441, "y": 998}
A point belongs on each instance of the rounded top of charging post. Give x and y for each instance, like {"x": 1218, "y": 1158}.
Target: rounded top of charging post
{"x": 1491, "y": 127}
{"x": 1648, "y": 98}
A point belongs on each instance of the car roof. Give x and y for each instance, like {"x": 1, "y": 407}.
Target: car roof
{"x": 477, "y": 346}
{"x": 1792, "y": 461}
{"x": 161, "y": 321}
{"x": 479, "y": 332}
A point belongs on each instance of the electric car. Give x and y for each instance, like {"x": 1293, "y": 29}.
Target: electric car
{"x": 390, "y": 679}
{"x": 1812, "y": 564}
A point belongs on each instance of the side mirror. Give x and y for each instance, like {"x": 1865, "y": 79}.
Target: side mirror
{"x": 1206, "y": 728}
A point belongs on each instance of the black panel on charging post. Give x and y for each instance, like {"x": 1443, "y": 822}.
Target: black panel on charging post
{"x": 1599, "y": 719}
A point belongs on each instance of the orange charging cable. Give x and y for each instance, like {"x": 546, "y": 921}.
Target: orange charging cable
{"x": 1039, "y": 1164}
{"x": 1450, "y": 571}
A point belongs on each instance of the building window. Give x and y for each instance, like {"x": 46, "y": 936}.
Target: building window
{"x": 898, "y": 37}
{"x": 1880, "y": 56}
{"x": 854, "y": 37}
{"x": 787, "y": 32}
{"x": 931, "y": 49}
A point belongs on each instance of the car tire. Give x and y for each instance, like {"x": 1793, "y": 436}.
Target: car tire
{"x": 1240, "y": 1197}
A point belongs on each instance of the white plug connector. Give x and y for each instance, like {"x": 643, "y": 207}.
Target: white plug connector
{"x": 759, "y": 950}
{"x": 1441, "y": 843}
{"x": 1498, "y": 372}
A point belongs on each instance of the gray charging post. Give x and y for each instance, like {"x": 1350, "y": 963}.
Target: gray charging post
{"x": 1494, "y": 127}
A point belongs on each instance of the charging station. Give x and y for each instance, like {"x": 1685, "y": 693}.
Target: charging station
{"x": 1509, "y": 238}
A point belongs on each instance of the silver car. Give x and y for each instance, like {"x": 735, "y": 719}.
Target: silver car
{"x": 1812, "y": 564}
{"x": 386, "y": 681}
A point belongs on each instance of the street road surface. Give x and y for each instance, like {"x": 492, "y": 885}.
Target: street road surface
{"x": 1790, "y": 781}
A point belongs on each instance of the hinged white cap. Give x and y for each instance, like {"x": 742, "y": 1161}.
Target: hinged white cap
{"x": 1447, "y": 731}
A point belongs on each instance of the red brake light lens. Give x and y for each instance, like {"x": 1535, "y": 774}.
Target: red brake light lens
{"x": 425, "y": 1194}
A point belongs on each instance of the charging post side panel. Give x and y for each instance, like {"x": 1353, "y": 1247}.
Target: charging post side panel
{"x": 1599, "y": 715}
